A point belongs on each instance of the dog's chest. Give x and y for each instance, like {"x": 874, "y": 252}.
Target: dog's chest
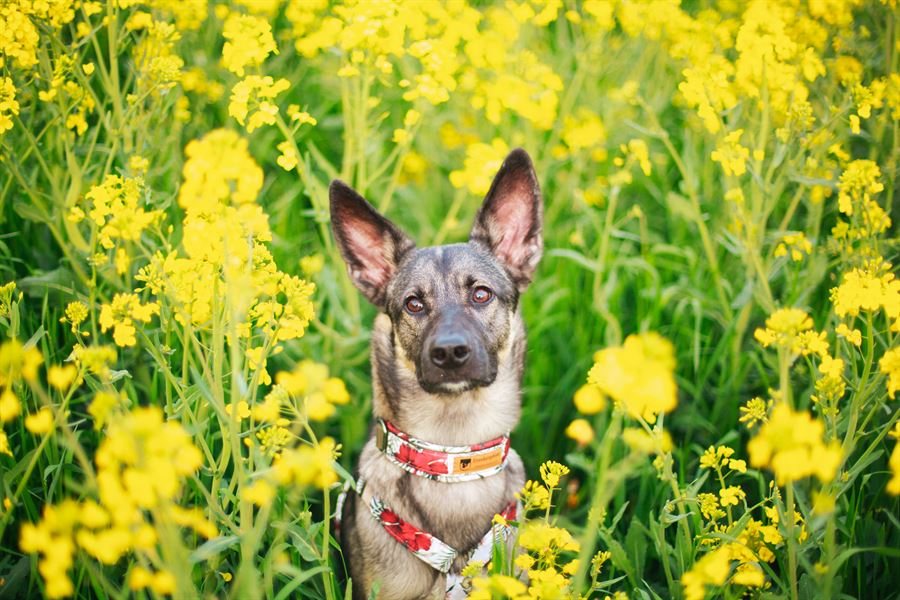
{"x": 459, "y": 513}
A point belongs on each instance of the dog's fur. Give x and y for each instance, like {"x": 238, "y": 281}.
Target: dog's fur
{"x": 473, "y": 404}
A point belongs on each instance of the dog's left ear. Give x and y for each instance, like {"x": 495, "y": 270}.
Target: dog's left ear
{"x": 509, "y": 222}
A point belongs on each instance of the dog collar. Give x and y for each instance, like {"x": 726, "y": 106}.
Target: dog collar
{"x": 447, "y": 464}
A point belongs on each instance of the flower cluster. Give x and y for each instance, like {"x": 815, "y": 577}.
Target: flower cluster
{"x": 791, "y": 444}
{"x": 141, "y": 466}
{"x": 638, "y": 375}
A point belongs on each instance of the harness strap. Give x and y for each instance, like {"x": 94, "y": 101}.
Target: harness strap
{"x": 439, "y": 462}
{"x": 426, "y": 547}
{"x": 429, "y": 548}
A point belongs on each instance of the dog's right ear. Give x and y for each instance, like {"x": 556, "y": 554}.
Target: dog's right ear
{"x": 371, "y": 245}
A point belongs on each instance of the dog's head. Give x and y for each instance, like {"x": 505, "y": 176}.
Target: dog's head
{"x": 451, "y": 307}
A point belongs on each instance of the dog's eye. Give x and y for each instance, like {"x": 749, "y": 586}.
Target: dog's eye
{"x": 481, "y": 295}
{"x": 414, "y": 305}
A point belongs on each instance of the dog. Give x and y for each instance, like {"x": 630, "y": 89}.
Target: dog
{"x": 447, "y": 353}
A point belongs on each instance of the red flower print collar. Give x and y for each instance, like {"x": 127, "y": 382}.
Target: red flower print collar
{"x": 438, "y": 462}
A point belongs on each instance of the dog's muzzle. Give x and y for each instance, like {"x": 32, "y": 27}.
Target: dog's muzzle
{"x": 454, "y": 356}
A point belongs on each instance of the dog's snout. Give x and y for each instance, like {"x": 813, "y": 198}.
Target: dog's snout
{"x": 454, "y": 355}
{"x": 450, "y": 352}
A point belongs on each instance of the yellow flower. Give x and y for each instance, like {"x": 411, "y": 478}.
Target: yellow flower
{"x": 709, "y": 506}
{"x": 115, "y": 206}
{"x": 18, "y": 363}
{"x": 7, "y": 292}
{"x": 312, "y": 265}
{"x": 731, "y": 495}
{"x": 139, "y": 578}
{"x": 791, "y": 445}
{"x": 9, "y": 107}
{"x": 715, "y": 458}
{"x": 582, "y": 130}
{"x": 121, "y": 314}
{"x": 551, "y": 471}
{"x": 893, "y": 486}
{"x": 52, "y": 538}
{"x": 540, "y": 537}
{"x": 732, "y": 156}
{"x": 481, "y": 163}
{"x": 40, "y": 422}
{"x": 472, "y": 569}
{"x": 94, "y": 359}
{"x": 790, "y": 328}
{"x": 308, "y": 465}
{"x": 711, "y": 570}
{"x": 890, "y": 366}
{"x": 854, "y": 336}
{"x": 61, "y": 377}
{"x": 163, "y": 583}
{"x": 75, "y": 314}
{"x": 4, "y": 444}
{"x": 243, "y": 410}
{"x": 795, "y": 244}
{"x": 870, "y": 288}
{"x": 580, "y": 431}
{"x": 300, "y": 117}
{"x": 858, "y": 183}
{"x": 288, "y": 158}
{"x": 534, "y": 496}
{"x": 260, "y": 493}
{"x": 639, "y": 375}
{"x": 251, "y": 101}
{"x": 270, "y": 409}
{"x": 248, "y": 41}
{"x": 335, "y": 391}
{"x": 657, "y": 442}
{"x": 496, "y": 586}
{"x": 589, "y": 400}
{"x": 9, "y": 406}
{"x": 102, "y": 405}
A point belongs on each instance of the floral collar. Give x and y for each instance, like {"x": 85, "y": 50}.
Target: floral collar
{"x": 438, "y": 462}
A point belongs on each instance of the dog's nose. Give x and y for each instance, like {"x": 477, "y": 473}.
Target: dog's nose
{"x": 450, "y": 352}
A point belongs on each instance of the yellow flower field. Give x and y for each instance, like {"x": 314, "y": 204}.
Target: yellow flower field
{"x": 710, "y": 404}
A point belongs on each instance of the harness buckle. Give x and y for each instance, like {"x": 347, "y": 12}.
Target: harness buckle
{"x": 381, "y": 435}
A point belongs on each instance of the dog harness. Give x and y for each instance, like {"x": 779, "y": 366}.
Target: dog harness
{"x": 445, "y": 464}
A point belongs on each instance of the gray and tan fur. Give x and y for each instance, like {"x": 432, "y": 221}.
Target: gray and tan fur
{"x": 447, "y": 401}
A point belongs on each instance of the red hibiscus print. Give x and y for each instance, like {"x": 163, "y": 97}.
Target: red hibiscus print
{"x": 411, "y": 537}
{"x": 430, "y": 462}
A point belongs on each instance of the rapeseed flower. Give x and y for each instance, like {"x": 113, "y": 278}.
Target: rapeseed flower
{"x": 121, "y": 314}
{"x": 481, "y": 163}
{"x": 589, "y": 400}
{"x": 251, "y": 101}
{"x": 580, "y": 431}
{"x": 791, "y": 329}
{"x": 889, "y": 364}
{"x": 731, "y": 154}
{"x": 248, "y": 42}
{"x": 639, "y": 375}
{"x": 791, "y": 445}
{"x": 40, "y": 422}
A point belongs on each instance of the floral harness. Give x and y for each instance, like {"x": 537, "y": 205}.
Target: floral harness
{"x": 446, "y": 464}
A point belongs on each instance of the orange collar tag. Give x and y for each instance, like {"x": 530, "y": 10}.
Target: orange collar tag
{"x": 479, "y": 462}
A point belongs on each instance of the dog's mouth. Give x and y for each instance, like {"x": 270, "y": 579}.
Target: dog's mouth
{"x": 481, "y": 371}
{"x": 452, "y": 384}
